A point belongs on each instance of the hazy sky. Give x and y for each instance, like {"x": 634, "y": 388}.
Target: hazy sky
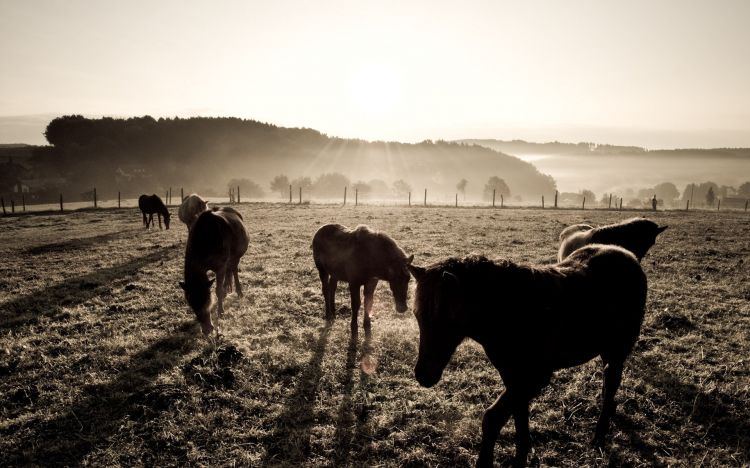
{"x": 649, "y": 73}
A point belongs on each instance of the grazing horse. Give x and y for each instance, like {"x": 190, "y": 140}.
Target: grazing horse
{"x": 531, "y": 322}
{"x": 637, "y": 235}
{"x": 150, "y": 204}
{"x": 217, "y": 241}
{"x": 360, "y": 257}
{"x": 192, "y": 206}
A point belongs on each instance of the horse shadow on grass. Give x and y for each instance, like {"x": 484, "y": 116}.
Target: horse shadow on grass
{"x": 289, "y": 444}
{"x": 49, "y": 302}
{"x": 80, "y": 243}
{"x": 89, "y": 423}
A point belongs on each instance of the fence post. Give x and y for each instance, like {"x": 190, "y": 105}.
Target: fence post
{"x": 620, "y": 203}
{"x": 344, "y": 195}
{"x": 584, "y": 199}
{"x": 687, "y": 205}
{"x": 12, "y": 206}
{"x": 502, "y": 201}
{"x": 745, "y": 205}
{"x": 356, "y": 196}
{"x": 582, "y": 207}
{"x": 95, "y": 197}
{"x": 609, "y": 207}
{"x": 425, "y": 197}
{"x": 493, "y": 197}
{"x": 182, "y": 195}
{"x": 410, "y": 200}
{"x": 2, "y": 200}
{"x": 61, "y": 203}
{"x": 290, "y": 193}
{"x": 166, "y": 197}
{"x": 118, "y": 199}
{"x": 300, "y": 194}
{"x": 456, "y": 200}
{"x": 719, "y": 206}
{"x": 23, "y": 201}
{"x": 238, "y": 194}
{"x": 542, "y": 201}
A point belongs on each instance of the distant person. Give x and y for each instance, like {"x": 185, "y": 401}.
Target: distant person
{"x": 653, "y": 202}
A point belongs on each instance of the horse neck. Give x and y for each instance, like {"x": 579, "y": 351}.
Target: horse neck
{"x": 193, "y": 270}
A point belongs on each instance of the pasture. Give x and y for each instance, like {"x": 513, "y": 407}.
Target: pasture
{"x": 102, "y": 362}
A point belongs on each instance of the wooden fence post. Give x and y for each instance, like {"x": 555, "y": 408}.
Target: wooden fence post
{"x": 166, "y": 197}
{"x": 12, "y": 206}
{"x": 182, "y": 195}
{"x": 300, "y": 194}
{"x": 687, "y": 205}
{"x": 542, "y": 201}
{"x": 118, "y": 199}
{"x": 410, "y": 200}
{"x": 718, "y": 208}
{"x": 456, "y": 200}
{"x": 290, "y": 193}
{"x": 238, "y": 194}
{"x": 356, "y": 196}
{"x": 746, "y": 205}
{"x": 23, "y": 202}
{"x": 95, "y": 197}
{"x": 584, "y": 204}
{"x": 61, "y": 203}
{"x": 502, "y": 201}
{"x": 344, "y": 196}
{"x": 2, "y": 200}
{"x": 493, "y": 197}
{"x": 425, "y": 197}
{"x": 609, "y": 207}
{"x": 620, "y": 203}
{"x": 584, "y": 199}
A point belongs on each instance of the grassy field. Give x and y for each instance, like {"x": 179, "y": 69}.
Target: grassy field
{"x": 101, "y": 362}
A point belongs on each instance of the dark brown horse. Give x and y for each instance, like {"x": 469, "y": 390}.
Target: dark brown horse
{"x": 360, "y": 257}
{"x": 217, "y": 241}
{"x": 637, "y": 235}
{"x": 150, "y": 204}
{"x": 531, "y": 322}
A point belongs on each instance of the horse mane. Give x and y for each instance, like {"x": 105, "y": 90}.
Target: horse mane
{"x": 476, "y": 269}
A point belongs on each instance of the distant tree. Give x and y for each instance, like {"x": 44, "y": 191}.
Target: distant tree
{"x": 401, "y": 188}
{"x": 710, "y": 197}
{"x": 280, "y": 184}
{"x": 498, "y": 185}
{"x": 304, "y": 182}
{"x": 744, "y": 190}
{"x": 330, "y": 185}
{"x": 461, "y": 187}
{"x": 666, "y": 191}
{"x": 589, "y": 196}
{"x": 379, "y": 188}
{"x": 362, "y": 188}
{"x": 248, "y": 188}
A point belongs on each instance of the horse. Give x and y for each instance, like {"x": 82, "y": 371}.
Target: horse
{"x": 192, "y": 206}
{"x": 360, "y": 257}
{"x": 637, "y": 235}
{"x": 217, "y": 241}
{"x": 150, "y": 204}
{"x": 531, "y": 321}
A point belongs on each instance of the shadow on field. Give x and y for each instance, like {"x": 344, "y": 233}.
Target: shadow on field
{"x": 49, "y": 302}
{"x": 90, "y": 422}
{"x": 725, "y": 419}
{"x": 78, "y": 244}
{"x": 289, "y": 444}
{"x": 349, "y": 433}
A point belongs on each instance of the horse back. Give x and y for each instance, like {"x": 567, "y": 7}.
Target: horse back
{"x": 352, "y": 255}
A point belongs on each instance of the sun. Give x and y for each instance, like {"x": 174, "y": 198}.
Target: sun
{"x": 374, "y": 89}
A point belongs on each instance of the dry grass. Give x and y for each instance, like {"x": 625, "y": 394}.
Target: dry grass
{"x": 102, "y": 364}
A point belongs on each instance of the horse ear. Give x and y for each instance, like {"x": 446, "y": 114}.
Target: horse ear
{"x": 661, "y": 229}
{"x": 417, "y": 272}
{"x": 410, "y": 259}
{"x": 182, "y": 285}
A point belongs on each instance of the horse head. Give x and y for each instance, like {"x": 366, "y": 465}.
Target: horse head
{"x": 438, "y": 309}
{"x": 399, "y": 282}
{"x": 198, "y": 296}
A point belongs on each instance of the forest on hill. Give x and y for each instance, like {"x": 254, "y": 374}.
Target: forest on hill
{"x": 143, "y": 154}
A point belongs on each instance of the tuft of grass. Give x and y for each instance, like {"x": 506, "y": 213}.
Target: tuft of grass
{"x": 102, "y": 363}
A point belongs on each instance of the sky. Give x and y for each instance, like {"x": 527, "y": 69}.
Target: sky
{"x": 658, "y": 74}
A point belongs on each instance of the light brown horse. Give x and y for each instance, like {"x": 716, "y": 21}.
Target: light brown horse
{"x": 360, "y": 257}
{"x": 637, "y": 235}
{"x": 216, "y": 242}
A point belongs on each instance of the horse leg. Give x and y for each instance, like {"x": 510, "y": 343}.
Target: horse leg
{"x": 158, "y": 216}
{"x": 324, "y": 287}
{"x": 236, "y": 274}
{"x": 612, "y": 379}
{"x": 369, "y": 297}
{"x": 493, "y": 421}
{"x": 150, "y": 220}
{"x": 332, "y": 285}
{"x": 145, "y": 223}
{"x": 356, "y": 301}
{"x": 532, "y": 385}
{"x": 220, "y": 292}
